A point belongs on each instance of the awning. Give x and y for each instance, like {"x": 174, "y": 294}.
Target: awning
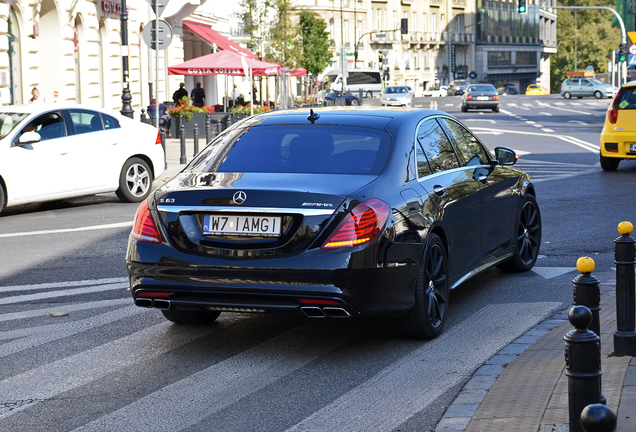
{"x": 217, "y": 38}
{"x": 223, "y": 63}
{"x": 298, "y": 72}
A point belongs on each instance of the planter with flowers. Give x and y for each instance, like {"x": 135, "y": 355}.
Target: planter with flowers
{"x": 241, "y": 112}
{"x": 190, "y": 115}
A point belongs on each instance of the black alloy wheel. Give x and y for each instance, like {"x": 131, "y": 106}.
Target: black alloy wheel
{"x": 190, "y": 316}
{"x": 528, "y": 238}
{"x": 427, "y": 317}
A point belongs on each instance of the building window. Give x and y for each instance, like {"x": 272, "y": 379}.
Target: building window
{"x": 526, "y": 58}
{"x": 378, "y": 23}
{"x": 331, "y": 37}
{"x": 345, "y": 32}
{"x": 407, "y": 60}
{"x": 499, "y": 58}
{"x": 395, "y": 25}
{"x": 416, "y": 65}
{"x": 358, "y": 31}
{"x": 414, "y": 22}
{"x": 434, "y": 23}
{"x": 442, "y": 23}
{"x": 424, "y": 22}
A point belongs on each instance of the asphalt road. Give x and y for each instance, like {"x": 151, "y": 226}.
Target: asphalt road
{"x": 106, "y": 365}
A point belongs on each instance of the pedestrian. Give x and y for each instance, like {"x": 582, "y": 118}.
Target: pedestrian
{"x": 254, "y": 95}
{"x": 179, "y": 94}
{"x": 198, "y": 95}
{"x": 235, "y": 95}
{"x": 36, "y": 99}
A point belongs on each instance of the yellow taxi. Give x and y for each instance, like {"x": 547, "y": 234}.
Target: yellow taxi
{"x": 536, "y": 89}
{"x": 618, "y": 138}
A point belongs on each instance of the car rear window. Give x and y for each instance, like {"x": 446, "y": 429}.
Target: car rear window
{"x": 481, "y": 88}
{"x": 297, "y": 149}
{"x": 625, "y": 100}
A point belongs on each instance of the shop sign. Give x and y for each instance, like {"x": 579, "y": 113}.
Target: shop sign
{"x": 112, "y": 8}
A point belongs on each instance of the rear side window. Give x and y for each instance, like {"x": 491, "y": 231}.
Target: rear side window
{"x": 625, "y": 100}
{"x": 86, "y": 121}
{"x": 436, "y": 146}
{"x": 297, "y": 149}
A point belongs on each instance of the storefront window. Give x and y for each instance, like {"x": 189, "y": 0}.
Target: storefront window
{"x": 526, "y": 58}
{"x": 499, "y": 58}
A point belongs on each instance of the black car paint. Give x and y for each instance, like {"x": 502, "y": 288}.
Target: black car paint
{"x": 374, "y": 279}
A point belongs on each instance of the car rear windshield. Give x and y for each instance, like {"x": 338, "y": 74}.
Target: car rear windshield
{"x": 481, "y": 88}
{"x": 625, "y": 100}
{"x": 9, "y": 120}
{"x": 297, "y": 149}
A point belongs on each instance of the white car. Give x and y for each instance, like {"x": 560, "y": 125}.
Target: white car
{"x": 436, "y": 91}
{"x": 56, "y": 151}
{"x": 396, "y": 96}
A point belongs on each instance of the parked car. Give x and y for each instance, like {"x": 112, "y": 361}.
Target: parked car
{"x": 507, "y": 89}
{"x": 56, "y": 151}
{"x": 396, "y": 96}
{"x": 335, "y": 97}
{"x": 480, "y": 96}
{"x": 536, "y": 90}
{"x": 457, "y": 87}
{"x": 436, "y": 91}
{"x": 618, "y": 137}
{"x": 333, "y": 213}
{"x": 586, "y": 87}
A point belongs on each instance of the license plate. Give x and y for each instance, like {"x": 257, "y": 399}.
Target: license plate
{"x": 482, "y": 97}
{"x": 267, "y": 226}
{"x": 632, "y": 147}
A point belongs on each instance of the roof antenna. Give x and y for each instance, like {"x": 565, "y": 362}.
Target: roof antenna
{"x": 313, "y": 116}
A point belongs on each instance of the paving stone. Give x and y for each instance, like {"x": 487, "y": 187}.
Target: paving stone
{"x": 462, "y": 410}
{"x": 470, "y": 397}
{"x": 482, "y": 382}
{"x": 452, "y": 424}
{"x": 490, "y": 370}
{"x": 515, "y": 348}
{"x": 501, "y": 359}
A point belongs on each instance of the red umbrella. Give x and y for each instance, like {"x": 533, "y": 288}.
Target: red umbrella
{"x": 223, "y": 63}
{"x": 298, "y": 72}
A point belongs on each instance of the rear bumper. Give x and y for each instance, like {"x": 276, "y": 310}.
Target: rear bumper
{"x": 621, "y": 142}
{"x": 281, "y": 285}
{"x": 482, "y": 104}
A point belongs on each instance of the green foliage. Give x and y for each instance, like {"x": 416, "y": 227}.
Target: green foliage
{"x": 282, "y": 47}
{"x": 595, "y": 39}
{"x": 254, "y": 17}
{"x": 314, "y": 41}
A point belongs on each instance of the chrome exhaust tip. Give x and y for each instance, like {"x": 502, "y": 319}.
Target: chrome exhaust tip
{"x": 336, "y": 312}
{"x": 143, "y": 302}
{"x": 313, "y": 312}
{"x": 161, "y": 304}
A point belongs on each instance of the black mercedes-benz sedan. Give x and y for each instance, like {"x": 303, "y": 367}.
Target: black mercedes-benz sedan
{"x": 335, "y": 213}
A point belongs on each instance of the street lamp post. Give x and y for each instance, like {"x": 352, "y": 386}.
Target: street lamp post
{"x": 126, "y": 98}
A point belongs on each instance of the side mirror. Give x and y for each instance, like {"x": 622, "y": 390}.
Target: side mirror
{"x": 29, "y": 138}
{"x": 505, "y": 156}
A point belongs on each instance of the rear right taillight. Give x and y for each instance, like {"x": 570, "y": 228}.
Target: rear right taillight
{"x": 144, "y": 228}
{"x": 360, "y": 226}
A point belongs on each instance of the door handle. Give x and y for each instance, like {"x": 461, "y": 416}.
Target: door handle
{"x": 439, "y": 190}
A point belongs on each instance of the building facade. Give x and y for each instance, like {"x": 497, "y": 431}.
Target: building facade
{"x": 480, "y": 40}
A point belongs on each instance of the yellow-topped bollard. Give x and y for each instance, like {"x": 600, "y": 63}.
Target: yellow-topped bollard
{"x": 625, "y": 228}
{"x": 585, "y": 265}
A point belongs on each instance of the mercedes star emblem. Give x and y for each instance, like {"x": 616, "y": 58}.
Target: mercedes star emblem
{"x": 239, "y": 197}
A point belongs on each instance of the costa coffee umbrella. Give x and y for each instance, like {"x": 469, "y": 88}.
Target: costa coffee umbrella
{"x": 223, "y": 63}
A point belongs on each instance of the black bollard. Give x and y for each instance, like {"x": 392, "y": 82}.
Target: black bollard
{"x": 582, "y": 365}
{"x": 182, "y": 138}
{"x": 208, "y": 130}
{"x": 598, "y": 418}
{"x": 162, "y": 135}
{"x": 143, "y": 117}
{"x": 625, "y": 336}
{"x": 218, "y": 127}
{"x": 195, "y": 132}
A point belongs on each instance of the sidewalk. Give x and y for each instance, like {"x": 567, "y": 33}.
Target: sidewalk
{"x": 173, "y": 157}
{"x": 524, "y": 388}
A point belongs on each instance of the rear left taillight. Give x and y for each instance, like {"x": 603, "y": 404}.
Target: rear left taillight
{"x": 144, "y": 228}
{"x": 158, "y": 141}
{"x": 360, "y": 226}
{"x": 612, "y": 115}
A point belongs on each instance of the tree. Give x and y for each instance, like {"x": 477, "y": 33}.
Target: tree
{"x": 314, "y": 43}
{"x": 595, "y": 39}
{"x": 254, "y": 17}
{"x": 282, "y": 47}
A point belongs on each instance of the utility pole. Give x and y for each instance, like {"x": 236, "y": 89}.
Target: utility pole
{"x": 126, "y": 98}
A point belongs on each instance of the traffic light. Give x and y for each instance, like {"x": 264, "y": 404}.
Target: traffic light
{"x": 523, "y": 8}
{"x": 623, "y": 53}
{"x": 380, "y": 58}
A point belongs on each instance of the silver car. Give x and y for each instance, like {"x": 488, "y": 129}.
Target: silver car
{"x": 582, "y": 87}
{"x": 396, "y": 96}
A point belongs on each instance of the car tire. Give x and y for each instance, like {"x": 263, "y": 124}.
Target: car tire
{"x": 3, "y": 198}
{"x": 427, "y": 317}
{"x": 369, "y": 94}
{"x": 598, "y": 94}
{"x": 354, "y": 102}
{"x": 135, "y": 181}
{"x": 609, "y": 164}
{"x": 567, "y": 95}
{"x": 464, "y": 108}
{"x": 496, "y": 109}
{"x": 190, "y": 316}
{"x": 527, "y": 237}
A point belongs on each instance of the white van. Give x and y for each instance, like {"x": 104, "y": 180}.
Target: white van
{"x": 369, "y": 80}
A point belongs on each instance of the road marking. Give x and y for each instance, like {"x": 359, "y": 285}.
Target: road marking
{"x": 547, "y": 130}
{"x": 62, "y": 293}
{"x": 546, "y": 114}
{"x": 409, "y": 386}
{"x": 62, "y": 284}
{"x": 577, "y": 142}
{"x": 480, "y": 119}
{"x": 552, "y": 272}
{"x": 545, "y": 105}
{"x": 578, "y": 121}
{"x": 537, "y": 125}
{"x": 66, "y": 308}
{"x": 530, "y": 122}
{"x": 225, "y": 383}
{"x": 66, "y": 230}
